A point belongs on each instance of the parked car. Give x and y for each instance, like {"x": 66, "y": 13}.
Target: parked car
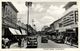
{"x": 44, "y": 39}
{"x": 53, "y": 37}
{"x": 60, "y": 39}
{"x": 32, "y": 42}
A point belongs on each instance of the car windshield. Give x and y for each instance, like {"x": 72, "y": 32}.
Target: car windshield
{"x": 32, "y": 39}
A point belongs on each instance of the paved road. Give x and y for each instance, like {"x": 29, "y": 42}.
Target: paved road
{"x": 50, "y": 44}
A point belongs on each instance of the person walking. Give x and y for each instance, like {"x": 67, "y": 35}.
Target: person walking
{"x": 19, "y": 42}
{"x": 3, "y": 43}
{"x": 22, "y": 43}
{"x": 6, "y": 40}
{"x": 66, "y": 38}
{"x": 9, "y": 43}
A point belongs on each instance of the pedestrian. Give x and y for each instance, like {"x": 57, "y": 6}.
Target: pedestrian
{"x": 66, "y": 38}
{"x": 6, "y": 42}
{"x": 22, "y": 42}
{"x": 72, "y": 38}
{"x": 3, "y": 43}
{"x": 19, "y": 42}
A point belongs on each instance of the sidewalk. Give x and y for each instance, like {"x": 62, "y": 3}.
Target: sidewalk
{"x": 68, "y": 43}
{"x": 15, "y": 45}
{"x": 72, "y": 45}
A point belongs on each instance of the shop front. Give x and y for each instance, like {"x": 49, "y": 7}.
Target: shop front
{"x": 72, "y": 36}
{"x": 9, "y": 33}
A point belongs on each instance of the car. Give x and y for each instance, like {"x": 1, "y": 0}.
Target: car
{"x": 44, "y": 39}
{"x": 32, "y": 42}
{"x": 60, "y": 39}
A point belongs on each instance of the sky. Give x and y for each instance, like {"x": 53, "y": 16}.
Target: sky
{"x": 43, "y": 13}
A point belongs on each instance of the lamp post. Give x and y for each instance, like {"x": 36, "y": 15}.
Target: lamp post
{"x": 28, "y": 4}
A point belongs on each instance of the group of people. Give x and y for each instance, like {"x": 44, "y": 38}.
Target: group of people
{"x": 6, "y": 43}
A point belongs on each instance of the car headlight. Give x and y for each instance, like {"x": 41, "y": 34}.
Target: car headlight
{"x": 36, "y": 42}
{"x": 28, "y": 42}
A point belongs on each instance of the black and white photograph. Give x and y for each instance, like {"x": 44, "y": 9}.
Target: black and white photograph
{"x": 27, "y": 24}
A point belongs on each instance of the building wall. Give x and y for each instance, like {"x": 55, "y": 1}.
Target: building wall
{"x": 3, "y": 9}
{"x": 69, "y": 5}
{"x": 57, "y": 24}
{"x": 23, "y": 27}
{"x": 9, "y": 17}
{"x": 11, "y": 14}
{"x": 71, "y": 15}
{"x": 68, "y": 20}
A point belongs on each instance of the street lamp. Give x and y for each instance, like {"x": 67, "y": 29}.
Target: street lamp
{"x": 28, "y": 4}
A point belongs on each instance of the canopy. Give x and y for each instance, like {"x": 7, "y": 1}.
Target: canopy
{"x": 14, "y": 31}
{"x": 18, "y": 32}
{"x": 23, "y": 32}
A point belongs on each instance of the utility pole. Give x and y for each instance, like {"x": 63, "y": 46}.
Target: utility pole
{"x": 28, "y": 4}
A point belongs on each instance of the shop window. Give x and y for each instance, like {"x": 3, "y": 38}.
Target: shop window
{"x": 76, "y": 16}
{"x": 76, "y": 12}
{"x": 60, "y": 24}
{"x": 71, "y": 14}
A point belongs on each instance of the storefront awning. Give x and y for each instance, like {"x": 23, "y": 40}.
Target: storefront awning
{"x": 18, "y": 32}
{"x": 23, "y": 32}
{"x": 14, "y": 31}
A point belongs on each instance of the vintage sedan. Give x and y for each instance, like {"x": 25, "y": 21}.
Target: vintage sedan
{"x": 32, "y": 42}
{"x": 44, "y": 39}
{"x": 60, "y": 39}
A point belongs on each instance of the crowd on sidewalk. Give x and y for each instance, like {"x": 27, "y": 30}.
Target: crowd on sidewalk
{"x": 6, "y": 43}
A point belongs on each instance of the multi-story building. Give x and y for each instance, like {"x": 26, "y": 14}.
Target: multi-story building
{"x": 9, "y": 17}
{"x": 9, "y": 14}
{"x": 69, "y": 19}
{"x": 71, "y": 16}
{"x": 56, "y": 25}
{"x": 68, "y": 23}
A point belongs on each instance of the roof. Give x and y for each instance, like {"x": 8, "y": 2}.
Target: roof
{"x": 69, "y": 4}
{"x": 3, "y": 4}
{"x": 12, "y": 6}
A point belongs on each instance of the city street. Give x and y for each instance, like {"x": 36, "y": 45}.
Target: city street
{"x": 39, "y": 24}
{"x": 50, "y": 44}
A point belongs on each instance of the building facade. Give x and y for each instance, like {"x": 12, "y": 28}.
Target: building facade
{"x": 71, "y": 16}
{"x": 56, "y": 25}
{"x": 22, "y": 27}
{"x": 69, "y": 20}
{"x": 9, "y": 17}
{"x": 68, "y": 23}
{"x": 9, "y": 14}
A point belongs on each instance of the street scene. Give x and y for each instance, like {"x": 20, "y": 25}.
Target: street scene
{"x": 28, "y": 24}
{"x": 50, "y": 44}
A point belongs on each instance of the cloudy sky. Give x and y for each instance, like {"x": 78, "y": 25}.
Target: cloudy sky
{"x": 43, "y": 13}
